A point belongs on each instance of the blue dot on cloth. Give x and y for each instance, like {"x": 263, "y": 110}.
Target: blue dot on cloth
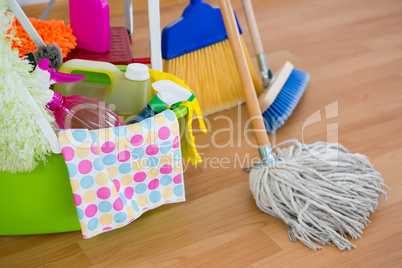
{"x": 98, "y": 165}
{"x": 80, "y": 213}
{"x": 104, "y": 206}
{"x": 177, "y": 155}
{"x": 87, "y": 181}
{"x": 123, "y": 198}
{"x": 152, "y": 161}
{"x": 120, "y": 217}
{"x": 109, "y": 159}
{"x": 120, "y": 131}
{"x": 165, "y": 147}
{"x": 140, "y": 188}
{"x": 178, "y": 190}
{"x": 94, "y": 136}
{"x": 134, "y": 205}
{"x": 72, "y": 169}
{"x": 166, "y": 180}
{"x": 79, "y": 135}
{"x": 170, "y": 115}
{"x": 137, "y": 153}
{"x": 155, "y": 196}
{"x": 147, "y": 123}
{"x": 124, "y": 168}
{"x": 92, "y": 224}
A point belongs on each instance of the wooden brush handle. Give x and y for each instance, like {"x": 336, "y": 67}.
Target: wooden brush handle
{"x": 252, "y": 26}
{"x": 245, "y": 76}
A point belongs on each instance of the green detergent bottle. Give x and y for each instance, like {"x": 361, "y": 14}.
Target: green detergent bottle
{"x": 128, "y": 93}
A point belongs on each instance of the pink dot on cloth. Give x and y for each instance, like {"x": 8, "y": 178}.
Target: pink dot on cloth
{"x": 152, "y": 149}
{"x": 108, "y": 147}
{"x": 68, "y": 153}
{"x": 93, "y": 149}
{"x": 106, "y": 228}
{"x": 166, "y": 169}
{"x": 164, "y": 133}
{"x": 128, "y": 192}
{"x": 177, "y": 179}
{"x": 116, "y": 184}
{"x": 85, "y": 166}
{"x": 77, "y": 199}
{"x": 176, "y": 142}
{"x": 152, "y": 185}
{"x": 91, "y": 210}
{"x": 103, "y": 193}
{"x": 136, "y": 140}
{"x": 118, "y": 204}
{"x": 123, "y": 156}
{"x": 140, "y": 176}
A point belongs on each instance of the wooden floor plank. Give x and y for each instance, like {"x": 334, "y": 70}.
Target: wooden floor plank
{"x": 353, "y": 52}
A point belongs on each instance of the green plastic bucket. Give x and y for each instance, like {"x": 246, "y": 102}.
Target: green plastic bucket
{"x": 41, "y": 201}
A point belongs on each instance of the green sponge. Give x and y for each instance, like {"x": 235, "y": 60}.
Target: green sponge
{"x": 25, "y": 138}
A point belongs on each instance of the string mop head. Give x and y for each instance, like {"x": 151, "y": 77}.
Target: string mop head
{"x": 22, "y": 141}
{"x": 322, "y": 192}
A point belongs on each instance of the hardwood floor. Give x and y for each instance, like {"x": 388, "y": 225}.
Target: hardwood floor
{"x": 353, "y": 52}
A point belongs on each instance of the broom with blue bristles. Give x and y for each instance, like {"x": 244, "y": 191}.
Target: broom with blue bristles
{"x": 282, "y": 91}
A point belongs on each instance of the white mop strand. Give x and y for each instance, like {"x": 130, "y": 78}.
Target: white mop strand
{"x": 321, "y": 191}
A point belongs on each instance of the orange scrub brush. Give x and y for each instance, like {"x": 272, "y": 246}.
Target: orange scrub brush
{"x": 51, "y": 52}
{"x": 50, "y": 31}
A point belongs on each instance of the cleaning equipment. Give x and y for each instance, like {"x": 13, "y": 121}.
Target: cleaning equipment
{"x": 120, "y": 42}
{"x": 26, "y": 132}
{"x": 282, "y": 91}
{"x": 168, "y": 93}
{"x": 81, "y": 112}
{"x": 195, "y": 49}
{"x": 321, "y": 191}
{"x": 139, "y": 74}
{"x": 107, "y": 83}
{"x": 50, "y": 76}
{"x": 74, "y": 111}
{"x": 154, "y": 23}
{"x": 45, "y": 202}
{"x": 50, "y": 32}
{"x": 50, "y": 52}
{"x": 193, "y": 111}
{"x": 91, "y": 24}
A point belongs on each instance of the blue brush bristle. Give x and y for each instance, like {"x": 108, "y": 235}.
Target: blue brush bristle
{"x": 286, "y": 101}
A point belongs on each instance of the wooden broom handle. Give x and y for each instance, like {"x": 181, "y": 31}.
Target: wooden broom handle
{"x": 245, "y": 76}
{"x": 252, "y": 26}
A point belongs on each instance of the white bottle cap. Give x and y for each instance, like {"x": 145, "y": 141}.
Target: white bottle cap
{"x": 137, "y": 72}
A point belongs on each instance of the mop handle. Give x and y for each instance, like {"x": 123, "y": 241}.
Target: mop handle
{"x": 252, "y": 25}
{"x": 245, "y": 76}
{"x": 26, "y": 24}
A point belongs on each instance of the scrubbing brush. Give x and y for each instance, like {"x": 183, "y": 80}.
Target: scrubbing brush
{"x": 196, "y": 49}
{"x": 51, "y": 52}
{"x": 282, "y": 91}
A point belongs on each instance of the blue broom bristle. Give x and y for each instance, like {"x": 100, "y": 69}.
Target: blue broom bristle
{"x": 286, "y": 101}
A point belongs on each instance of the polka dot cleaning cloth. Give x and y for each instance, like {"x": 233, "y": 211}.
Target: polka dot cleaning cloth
{"x": 118, "y": 173}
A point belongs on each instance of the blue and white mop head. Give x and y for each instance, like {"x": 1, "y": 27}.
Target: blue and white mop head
{"x": 26, "y": 135}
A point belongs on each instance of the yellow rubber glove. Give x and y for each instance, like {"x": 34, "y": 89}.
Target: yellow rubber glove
{"x": 188, "y": 148}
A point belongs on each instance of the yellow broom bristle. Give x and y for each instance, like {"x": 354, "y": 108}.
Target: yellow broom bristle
{"x": 212, "y": 74}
